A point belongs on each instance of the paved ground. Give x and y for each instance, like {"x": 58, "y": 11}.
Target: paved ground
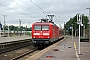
{"x": 64, "y": 50}
{"x": 84, "y": 50}
{"x": 15, "y": 38}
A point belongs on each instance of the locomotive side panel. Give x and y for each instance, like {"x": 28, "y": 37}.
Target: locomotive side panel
{"x": 55, "y": 31}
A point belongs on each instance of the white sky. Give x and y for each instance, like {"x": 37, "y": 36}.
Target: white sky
{"x": 27, "y": 11}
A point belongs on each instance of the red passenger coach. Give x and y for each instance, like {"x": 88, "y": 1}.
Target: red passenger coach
{"x": 44, "y": 33}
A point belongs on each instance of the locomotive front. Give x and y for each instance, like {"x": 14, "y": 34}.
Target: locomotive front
{"x": 41, "y": 33}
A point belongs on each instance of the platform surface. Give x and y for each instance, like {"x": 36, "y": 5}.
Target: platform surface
{"x": 66, "y": 49}
{"x": 14, "y": 38}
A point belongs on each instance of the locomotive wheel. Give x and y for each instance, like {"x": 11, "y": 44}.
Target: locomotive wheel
{"x": 40, "y": 47}
{"x": 49, "y": 43}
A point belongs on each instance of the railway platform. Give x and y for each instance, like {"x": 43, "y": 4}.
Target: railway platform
{"x": 14, "y": 38}
{"x": 10, "y": 43}
{"x": 66, "y": 49}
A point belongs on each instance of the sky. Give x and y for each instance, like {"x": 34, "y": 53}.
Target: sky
{"x": 30, "y": 11}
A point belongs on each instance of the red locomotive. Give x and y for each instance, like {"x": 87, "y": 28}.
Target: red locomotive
{"x": 44, "y": 33}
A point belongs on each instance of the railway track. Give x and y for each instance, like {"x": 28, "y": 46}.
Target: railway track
{"x": 24, "y": 54}
{"x": 9, "y": 46}
{"x": 16, "y": 54}
{"x": 19, "y": 53}
{"x": 16, "y": 49}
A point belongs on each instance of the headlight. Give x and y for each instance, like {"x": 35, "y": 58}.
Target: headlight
{"x": 34, "y": 37}
{"x": 48, "y": 37}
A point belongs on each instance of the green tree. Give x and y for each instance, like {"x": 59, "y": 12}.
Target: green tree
{"x": 73, "y": 22}
{"x": 11, "y": 27}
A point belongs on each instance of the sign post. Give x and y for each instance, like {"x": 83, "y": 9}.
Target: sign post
{"x": 8, "y": 31}
{"x": 71, "y": 28}
{"x": 72, "y": 32}
{"x": 79, "y": 21}
{"x": 0, "y": 28}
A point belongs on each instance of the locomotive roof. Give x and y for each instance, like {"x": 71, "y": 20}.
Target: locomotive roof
{"x": 44, "y": 23}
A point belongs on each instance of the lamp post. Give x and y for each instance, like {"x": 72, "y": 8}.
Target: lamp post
{"x": 8, "y": 31}
{"x": 84, "y": 30}
{"x": 0, "y": 29}
{"x": 4, "y": 25}
{"x": 64, "y": 28}
{"x": 72, "y": 31}
{"x": 28, "y": 24}
{"x": 89, "y": 23}
{"x": 75, "y": 29}
{"x": 20, "y": 27}
{"x": 71, "y": 28}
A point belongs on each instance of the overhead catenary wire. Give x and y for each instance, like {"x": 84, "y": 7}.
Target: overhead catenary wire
{"x": 16, "y": 10}
{"x": 13, "y": 9}
{"x": 24, "y": 7}
{"x": 21, "y": 5}
{"x": 38, "y": 6}
{"x": 47, "y": 5}
{"x": 34, "y": 4}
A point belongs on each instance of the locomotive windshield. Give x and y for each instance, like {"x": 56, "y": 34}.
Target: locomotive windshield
{"x": 37, "y": 27}
{"x": 45, "y": 27}
{"x": 41, "y": 27}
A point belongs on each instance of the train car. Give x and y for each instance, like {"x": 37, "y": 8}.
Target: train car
{"x": 44, "y": 33}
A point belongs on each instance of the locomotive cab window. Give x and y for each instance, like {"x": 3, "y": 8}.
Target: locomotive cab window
{"x": 37, "y": 27}
{"x": 45, "y": 27}
{"x": 41, "y": 27}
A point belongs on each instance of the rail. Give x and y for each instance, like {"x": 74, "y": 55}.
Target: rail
{"x": 8, "y": 46}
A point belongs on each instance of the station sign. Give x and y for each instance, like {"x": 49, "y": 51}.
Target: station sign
{"x": 79, "y": 19}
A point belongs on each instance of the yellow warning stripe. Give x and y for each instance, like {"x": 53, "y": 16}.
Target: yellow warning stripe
{"x": 76, "y": 51}
{"x": 75, "y": 45}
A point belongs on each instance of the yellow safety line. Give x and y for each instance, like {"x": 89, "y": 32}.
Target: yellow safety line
{"x": 76, "y": 51}
{"x": 75, "y": 46}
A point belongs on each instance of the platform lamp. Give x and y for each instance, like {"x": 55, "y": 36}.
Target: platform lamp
{"x": 89, "y": 23}
{"x": 4, "y": 24}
